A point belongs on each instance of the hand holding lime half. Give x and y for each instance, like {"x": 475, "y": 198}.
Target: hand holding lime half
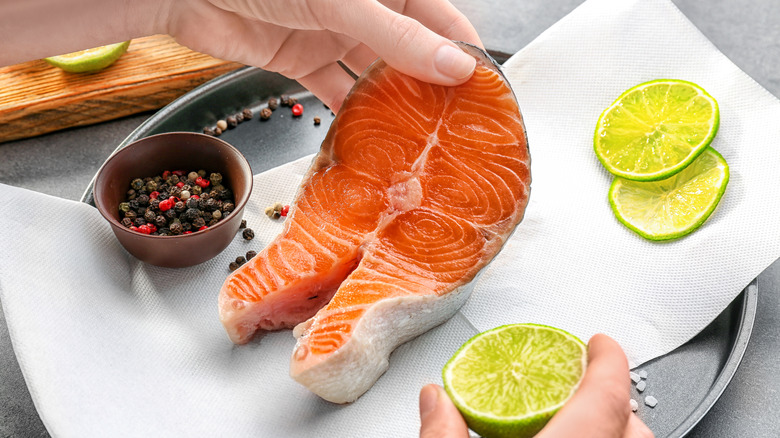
{"x": 89, "y": 60}
{"x": 510, "y": 380}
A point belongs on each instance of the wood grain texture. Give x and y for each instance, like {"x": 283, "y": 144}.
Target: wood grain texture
{"x": 36, "y": 98}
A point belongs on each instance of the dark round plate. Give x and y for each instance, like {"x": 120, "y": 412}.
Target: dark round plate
{"x": 686, "y": 382}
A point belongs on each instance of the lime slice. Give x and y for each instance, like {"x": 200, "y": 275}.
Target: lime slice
{"x": 674, "y": 207}
{"x": 509, "y": 381}
{"x": 655, "y": 129}
{"x": 91, "y": 59}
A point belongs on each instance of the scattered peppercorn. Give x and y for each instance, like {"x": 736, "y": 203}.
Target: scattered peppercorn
{"x": 317, "y": 121}
{"x": 247, "y": 114}
{"x": 231, "y": 122}
{"x": 285, "y": 100}
{"x": 248, "y": 234}
{"x": 217, "y": 132}
{"x": 250, "y": 255}
{"x": 240, "y": 260}
{"x": 273, "y": 103}
{"x": 265, "y": 114}
{"x": 233, "y": 266}
{"x": 222, "y": 125}
{"x": 239, "y": 117}
{"x": 208, "y": 131}
{"x": 243, "y": 224}
{"x": 297, "y": 110}
{"x": 291, "y": 101}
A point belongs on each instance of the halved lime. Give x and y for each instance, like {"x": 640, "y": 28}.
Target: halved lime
{"x": 91, "y": 59}
{"x": 655, "y": 129}
{"x": 674, "y": 207}
{"x": 509, "y": 381}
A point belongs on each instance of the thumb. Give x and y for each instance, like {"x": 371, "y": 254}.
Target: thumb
{"x": 439, "y": 417}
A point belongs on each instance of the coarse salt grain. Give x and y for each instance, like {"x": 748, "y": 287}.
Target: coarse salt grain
{"x": 634, "y": 377}
{"x": 651, "y": 401}
{"x": 634, "y": 405}
{"x": 643, "y": 374}
{"x": 641, "y": 386}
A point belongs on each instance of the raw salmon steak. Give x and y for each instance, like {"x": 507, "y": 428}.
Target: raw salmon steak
{"x": 415, "y": 189}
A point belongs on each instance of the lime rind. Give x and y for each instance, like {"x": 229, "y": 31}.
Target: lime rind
{"x": 489, "y": 424}
{"x": 90, "y": 60}
{"x": 630, "y": 199}
{"x": 632, "y": 101}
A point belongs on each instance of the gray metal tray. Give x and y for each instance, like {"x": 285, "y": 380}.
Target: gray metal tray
{"x": 687, "y": 381}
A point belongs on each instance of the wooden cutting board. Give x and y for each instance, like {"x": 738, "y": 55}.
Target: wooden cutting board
{"x": 36, "y": 98}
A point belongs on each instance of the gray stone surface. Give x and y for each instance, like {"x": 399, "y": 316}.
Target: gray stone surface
{"x": 63, "y": 163}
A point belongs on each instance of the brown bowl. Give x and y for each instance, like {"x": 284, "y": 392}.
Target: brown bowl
{"x": 151, "y": 156}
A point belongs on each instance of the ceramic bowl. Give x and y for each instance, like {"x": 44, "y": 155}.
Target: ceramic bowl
{"x": 151, "y": 156}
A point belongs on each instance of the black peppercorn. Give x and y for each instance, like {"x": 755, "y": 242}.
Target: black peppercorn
{"x": 176, "y": 192}
{"x": 217, "y": 132}
{"x": 207, "y": 216}
{"x": 228, "y": 207}
{"x": 211, "y": 204}
{"x": 150, "y": 216}
{"x": 265, "y": 114}
{"x": 231, "y": 122}
{"x": 191, "y": 214}
{"x": 160, "y": 221}
{"x": 250, "y": 255}
{"x": 248, "y": 234}
{"x": 127, "y": 222}
{"x": 179, "y": 207}
{"x": 273, "y": 103}
{"x": 239, "y": 117}
{"x": 208, "y": 131}
{"x": 243, "y": 224}
{"x": 198, "y": 222}
{"x": 285, "y": 100}
{"x": 164, "y": 231}
{"x": 131, "y": 195}
{"x": 226, "y": 194}
{"x": 247, "y": 114}
{"x": 317, "y": 121}
{"x": 170, "y": 214}
{"x": 139, "y": 221}
{"x": 212, "y": 222}
{"x": 291, "y": 101}
{"x": 240, "y": 260}
{"x": 176, "y": 228}
{"x": 131, "y": 215}
{"x": 154, "y": 204}
{"x": 192, "y": 203}
{"x": 143, "y": 200}
{"x": 233, "y": 266}
{"x": 186, "y": 226}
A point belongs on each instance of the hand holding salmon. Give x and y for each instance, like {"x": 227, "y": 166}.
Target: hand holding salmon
{"x": 415, "y": 189}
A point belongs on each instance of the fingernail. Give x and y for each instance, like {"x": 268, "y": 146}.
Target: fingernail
{"x": 429, "y": 396}
{"x": 453, "y": 62}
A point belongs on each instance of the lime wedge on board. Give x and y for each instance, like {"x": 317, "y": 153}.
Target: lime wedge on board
{"x": 89, "y": 60}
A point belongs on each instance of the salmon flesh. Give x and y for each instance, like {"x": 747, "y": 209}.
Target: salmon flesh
{"x": 415, "y": 189}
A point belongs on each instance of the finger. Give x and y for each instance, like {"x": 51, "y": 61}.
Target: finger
{"x": 330, "y": 84}
{"x": 600, "y": 408}
{"x": 443, "y": 18}
{"x": 359, "y": 58}
{"x": 403, "y": 42}
{"x": 637, "y": 429}
{"x": 439, "y": 418}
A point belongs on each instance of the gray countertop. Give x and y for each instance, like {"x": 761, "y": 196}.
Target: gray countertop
{"x": 747, "y": 31}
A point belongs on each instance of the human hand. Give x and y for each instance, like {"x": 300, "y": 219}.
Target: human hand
{"x": 599, "y": 408}
{"x": 304, "y": 39}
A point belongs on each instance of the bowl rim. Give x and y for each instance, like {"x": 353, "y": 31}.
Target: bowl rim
{"x": 116, "y": 225}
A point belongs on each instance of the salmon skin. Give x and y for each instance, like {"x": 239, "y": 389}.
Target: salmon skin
{"x": 415, "y": 189}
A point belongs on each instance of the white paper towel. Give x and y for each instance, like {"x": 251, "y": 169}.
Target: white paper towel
{"x": 113, "y": 347}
